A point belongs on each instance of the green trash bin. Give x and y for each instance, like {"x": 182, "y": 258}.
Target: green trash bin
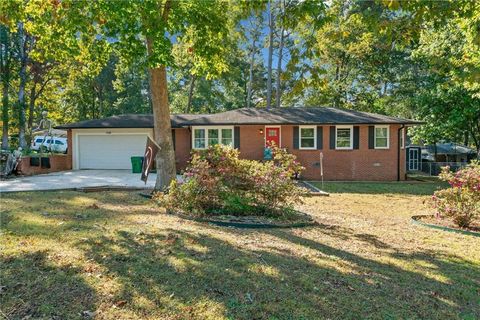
{"x": 136, "y": 164}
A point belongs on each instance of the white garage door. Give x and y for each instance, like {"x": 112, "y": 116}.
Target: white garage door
{"x": 109, "y": 151}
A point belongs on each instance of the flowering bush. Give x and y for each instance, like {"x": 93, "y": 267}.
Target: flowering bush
{"x": 217, "y": 181}
{"x": 461, "y": 201}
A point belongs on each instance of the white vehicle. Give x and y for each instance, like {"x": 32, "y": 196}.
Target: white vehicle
{"x": 55, "y": 144}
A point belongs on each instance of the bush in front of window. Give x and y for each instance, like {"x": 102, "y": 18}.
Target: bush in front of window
{"x": 218, "y": 182}
{"x": 460, "y": 202}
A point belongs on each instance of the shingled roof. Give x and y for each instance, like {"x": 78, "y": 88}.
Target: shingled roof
{"x": 247, "y": 116}
{"x": 128, "y": 121}
{"x": 319, "y": 115}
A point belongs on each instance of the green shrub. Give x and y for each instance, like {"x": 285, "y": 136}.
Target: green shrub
{"x": 461, "y": 201}
{"x": 217, "y": 181}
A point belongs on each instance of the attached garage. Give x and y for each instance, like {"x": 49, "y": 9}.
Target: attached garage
{"x": 107, "y": 148}
{"x": 109, "y": 151}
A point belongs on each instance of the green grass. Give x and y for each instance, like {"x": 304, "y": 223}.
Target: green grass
{"x": 412, "y": 188}
{"x": 118, "y": 255}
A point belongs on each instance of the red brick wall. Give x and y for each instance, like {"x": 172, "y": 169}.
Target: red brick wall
{"x": 252, "y": 142}
{"x": 360, "y": 164}
{"x": 60, "y": 162}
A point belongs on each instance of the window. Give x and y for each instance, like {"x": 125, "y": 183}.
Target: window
{"x": 209, "y": 136}
{"x": 58, "y": 142}
{"x": 39, "y": 140}
{"x": 344, "y": 137}
{"x": 272, "y": 132}
{"x": 199, "y": 139}
{"x": 308, "y": 137}
{"x": 227, "y": 137}
{"x": 381, "y": 137}
{"x": 213, "y": 136}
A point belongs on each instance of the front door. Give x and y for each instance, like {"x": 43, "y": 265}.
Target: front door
{"x": 272, "y": 136}
{"x": 413, "y": 159}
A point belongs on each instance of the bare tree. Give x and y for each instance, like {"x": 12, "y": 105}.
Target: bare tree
{"x": 256, "y": 23}
{"x": 278, "y": 93}
{"x": 271, "y": 32}
{"x": 23, "y": 49}
{"x": 190, "y": 92}
{"x": 5, "y": 65}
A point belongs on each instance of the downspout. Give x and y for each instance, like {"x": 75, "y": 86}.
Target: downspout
{"x": 399, "y": 148}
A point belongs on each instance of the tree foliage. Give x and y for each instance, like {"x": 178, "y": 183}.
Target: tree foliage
{"x": 90, "y": 59}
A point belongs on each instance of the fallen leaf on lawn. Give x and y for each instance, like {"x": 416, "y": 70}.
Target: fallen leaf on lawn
{"x": 94, "y": 206}
{"x": 120, "y": 303}
{"x": 88, "y": 314}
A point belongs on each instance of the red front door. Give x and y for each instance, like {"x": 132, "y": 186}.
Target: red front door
{"x": 272, "y": 135}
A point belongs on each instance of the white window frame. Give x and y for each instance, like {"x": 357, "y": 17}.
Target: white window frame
{"x": 206, "y": 128}
{"x": 314, "y": 137}
{"x": 375, "y": 136}
{"x": 351, "y": 137}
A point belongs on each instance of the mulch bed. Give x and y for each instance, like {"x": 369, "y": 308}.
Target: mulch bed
{"x": 447, "y": 224}
{"x": 299, "y": 220}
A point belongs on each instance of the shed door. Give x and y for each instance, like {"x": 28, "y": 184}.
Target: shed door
{"x": 109, "y": 151}
{"x": 413, "y": 159}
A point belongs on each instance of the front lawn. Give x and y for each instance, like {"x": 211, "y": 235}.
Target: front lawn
{"x": 115, "y": 255}
{"x": 411, "y": 188}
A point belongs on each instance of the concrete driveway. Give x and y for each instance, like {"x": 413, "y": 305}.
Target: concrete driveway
{"x": 77, "y": 179}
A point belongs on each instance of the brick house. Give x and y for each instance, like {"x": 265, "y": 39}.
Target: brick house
{"x": 355, "y": 145}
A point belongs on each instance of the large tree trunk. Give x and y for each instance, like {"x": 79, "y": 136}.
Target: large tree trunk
{"x": 22, "y": 41}
{"x": 278, "y": 95}
{"x": 162, "y": 127}
{"x": 166, "y": 171}
{"x": 270, "y": 54}
{"x": 5, "y": 68}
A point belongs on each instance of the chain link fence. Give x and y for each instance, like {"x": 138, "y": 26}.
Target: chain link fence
{"x": 434, "y": 168}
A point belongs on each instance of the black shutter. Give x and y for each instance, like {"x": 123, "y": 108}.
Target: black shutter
{"x": 190, "y": 131}
{"x": 332, "y": 137}
{"x": 173, "y": 138}
{"x": 371, "y": 137}
{"x": 295, "y": 137}
{"x": 319, "y": 138}
{"x": 356, "y": 137}
{"x": 236, "y": 137}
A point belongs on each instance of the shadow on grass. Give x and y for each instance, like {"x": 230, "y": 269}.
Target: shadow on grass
{"x": 34, "y": 288}
{"x": 196, "y": 274}
{"x": 192, "y": 274}
{"x": 30, "y": 214}
{"x": 404, "y": 188}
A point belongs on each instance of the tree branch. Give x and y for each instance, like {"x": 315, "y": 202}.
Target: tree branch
{"x": 166, "y": 10}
